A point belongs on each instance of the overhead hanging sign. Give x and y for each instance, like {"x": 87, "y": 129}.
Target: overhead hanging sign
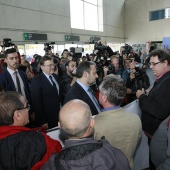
{"x": 72, "y": 38}
{"x": 33, "y": 36}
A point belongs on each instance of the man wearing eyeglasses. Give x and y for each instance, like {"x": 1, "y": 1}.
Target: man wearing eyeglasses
{"x": 21, "y": 147}
{"x": 45, "y": 93}
{"x": 155, "y": 106}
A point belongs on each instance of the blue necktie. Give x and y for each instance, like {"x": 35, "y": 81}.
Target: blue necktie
{"x": 94, "y": 100}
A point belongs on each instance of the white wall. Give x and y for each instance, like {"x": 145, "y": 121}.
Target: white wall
{"x": 52, "y": 17}
{"x": 138, "y": 28}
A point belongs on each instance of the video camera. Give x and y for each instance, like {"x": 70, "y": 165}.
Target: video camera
{"x": 48, "y": 46}
{"x": 76, "y": 52}
{"x": 99, "y": 46}
{"x": 127, "y": 49}
{"x": 102, "y": 59}
{"x": 7, "y": 42}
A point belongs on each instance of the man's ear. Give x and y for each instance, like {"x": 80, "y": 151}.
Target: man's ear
{"x": 104, "y": 98}
{"x": 166, "y": 63}
{"x": 85, "y": 74}
{"x": 66, "y": 67}
{"x": 92, "y": 122}
{"x": 42, "y": 67}
{"x": 59, "y": 125}
{"x": 17, "y": 116}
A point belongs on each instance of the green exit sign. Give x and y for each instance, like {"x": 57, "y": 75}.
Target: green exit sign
{"x": 25, "y": 36}
{"x": 71, "y": 38}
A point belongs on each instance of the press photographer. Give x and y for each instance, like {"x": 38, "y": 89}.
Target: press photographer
{"x": 7, "y": 43}
{"x": 137, "y": 79}
{"x": 126, "y": 52}
{"x": 102, "y": 53}
{"x": 76, "y": 54}
{"x": 48, "y": 49}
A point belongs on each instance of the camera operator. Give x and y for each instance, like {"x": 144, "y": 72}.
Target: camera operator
{"x": 48, "y": 49}
{"x": 8, "y": 43}
{"x": 115, "y": 68}
{"x": 102, "y": 54}
{"x": 137, "y": 79}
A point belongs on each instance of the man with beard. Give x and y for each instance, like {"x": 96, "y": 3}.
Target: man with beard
{"x": 86, "y": 76}
{"x": 69, "y": 77}
{"x": 13, "y": 79}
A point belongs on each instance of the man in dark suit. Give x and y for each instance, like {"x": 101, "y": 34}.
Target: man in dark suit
{"x": 45, "y": 94}
{"x": 12, "y": 79}
{"x": 86, "y": 76}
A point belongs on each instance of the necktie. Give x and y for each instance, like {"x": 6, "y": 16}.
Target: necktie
{"x": 18, "y": 82}
{"x": 94, "y": 100}
{"x": 54, "y": 85}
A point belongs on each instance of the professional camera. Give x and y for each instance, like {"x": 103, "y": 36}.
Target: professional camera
{"x": 7, "y": 42}
{"x": 127, "y": 49}
{"x": 139, "y": 73}
{"x": 111, "y": 69}
{"x": 142, "y": 80}
{"x": 48, "y": 46}
{"x": 99, "y": 46}
{"x": 76, "y": 53}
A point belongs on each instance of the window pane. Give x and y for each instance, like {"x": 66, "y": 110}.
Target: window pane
{"x": 77, "y": 19}
{"x": 91, "y": 1}
{"x": 156, "y": 15}
{"x": 91, "y": 19}
{"x": 32, "y": 49}
{"x": 167, "y": 13}
{"x": 87, "y": 14}
{"x": 60, "y": 49}
{"x": 100, "y": 15}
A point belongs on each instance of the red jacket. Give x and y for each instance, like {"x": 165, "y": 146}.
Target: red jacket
{"x": 51, "y": 144}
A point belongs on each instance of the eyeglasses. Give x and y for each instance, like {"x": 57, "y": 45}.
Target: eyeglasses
{"x": 27, "y": 107}
{"x": 154, "y": 64}
{"x": 50, "y": 65}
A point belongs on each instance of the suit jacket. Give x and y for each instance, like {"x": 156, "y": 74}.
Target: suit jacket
{"x": 45, "y": 100}
{"x": 8, "y": 85}
{"x": 121, "y": 129}
{"x": 155, "y": 106}
{"x": 77, "y": 92}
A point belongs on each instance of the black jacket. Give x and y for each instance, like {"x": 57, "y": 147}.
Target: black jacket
{"x": 90, "y": 154}
{"x": 77, "y": 92}
{"x": 45, "y": 101}
{"x": 155, "y": 107}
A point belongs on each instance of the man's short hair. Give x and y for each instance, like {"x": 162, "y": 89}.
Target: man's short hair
{"x": 114, "y": 88}
{"x": 84, "y": 66}
{"x": 9, "y": 103}
{"x": 162, "y": 55}
{"x": 44, "y": 59}
{"x": 74, "y": 121}
{"x": 9, "y": 51}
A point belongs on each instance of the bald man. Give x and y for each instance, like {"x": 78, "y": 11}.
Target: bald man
{"x": 81, "y": 150}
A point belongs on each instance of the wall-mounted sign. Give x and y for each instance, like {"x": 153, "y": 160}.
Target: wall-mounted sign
{"x": 72, "y": 38}
{"x": 33, "y": 36}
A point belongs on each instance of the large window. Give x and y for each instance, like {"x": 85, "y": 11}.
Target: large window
{"x": 87, "y": 14}
{"x": 160, "y": 14}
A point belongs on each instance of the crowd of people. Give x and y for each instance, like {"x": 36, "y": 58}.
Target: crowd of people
{"x": 84, "y": 96}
